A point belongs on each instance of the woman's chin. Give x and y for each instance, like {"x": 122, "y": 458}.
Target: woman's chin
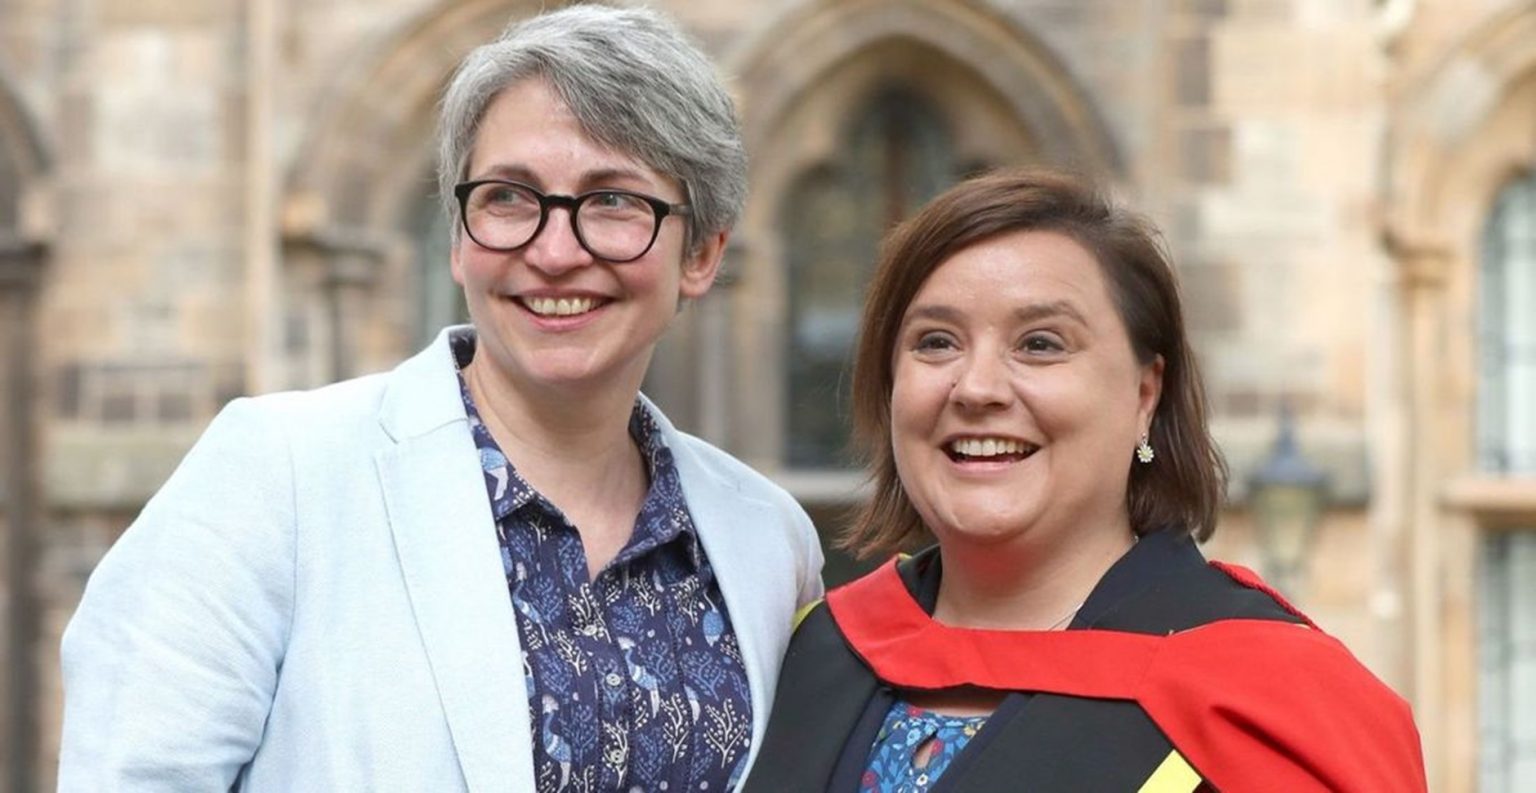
{"x": 982, "y": 529}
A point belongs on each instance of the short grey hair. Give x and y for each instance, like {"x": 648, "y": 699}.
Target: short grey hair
{"x": 635, "y": 84}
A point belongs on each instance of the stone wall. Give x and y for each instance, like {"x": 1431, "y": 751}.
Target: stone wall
{"x": 170, "y": 156}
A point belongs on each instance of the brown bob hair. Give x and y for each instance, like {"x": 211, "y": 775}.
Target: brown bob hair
{"x": 1182, "y": 490}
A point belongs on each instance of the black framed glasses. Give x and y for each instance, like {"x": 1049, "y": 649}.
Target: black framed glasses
{"x": 613, "y": 225}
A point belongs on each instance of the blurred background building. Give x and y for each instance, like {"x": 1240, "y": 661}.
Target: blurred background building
{"x": 202, "y": 200}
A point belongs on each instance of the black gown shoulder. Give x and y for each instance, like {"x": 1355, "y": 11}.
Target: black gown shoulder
{"x": 829, "y": 705}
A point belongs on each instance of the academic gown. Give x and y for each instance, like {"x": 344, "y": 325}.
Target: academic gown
{"x": 1175, "y": 673}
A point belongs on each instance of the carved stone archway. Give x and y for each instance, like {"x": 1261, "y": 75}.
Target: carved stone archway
{"x": 354, "y": 194}
{"x": 1459, "y": 133}
{"x": 787, "y": 59}
{"x": 1010, "y": 100}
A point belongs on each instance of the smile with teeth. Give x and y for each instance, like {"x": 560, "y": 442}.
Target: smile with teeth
{"x": 559, "y": 307}
{"x": 989, "y": 448}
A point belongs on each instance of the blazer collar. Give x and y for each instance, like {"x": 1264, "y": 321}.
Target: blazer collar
{"x": 450, "y": 561}
{"x": 423, "y": 392}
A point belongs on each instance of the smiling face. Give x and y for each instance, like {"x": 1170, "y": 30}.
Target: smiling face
{"x": 549, "y": 315}
{"x": 1017, "y": 400}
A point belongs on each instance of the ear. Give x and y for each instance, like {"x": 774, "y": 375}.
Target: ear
{"x": 1149, "y": 391}
{"x": 701, "y": 266}
{"x": 454, "y": 265}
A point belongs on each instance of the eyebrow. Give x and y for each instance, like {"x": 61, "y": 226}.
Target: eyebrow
{"x": 588, "y": 179}
{"x": 1054, "y": 308}
{"x": 1031, "y": 312}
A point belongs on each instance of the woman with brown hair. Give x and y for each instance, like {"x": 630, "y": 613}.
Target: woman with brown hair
{"x": 1026, "y": 395}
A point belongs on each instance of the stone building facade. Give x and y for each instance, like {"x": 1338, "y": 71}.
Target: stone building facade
{"x": 201, "y": 200}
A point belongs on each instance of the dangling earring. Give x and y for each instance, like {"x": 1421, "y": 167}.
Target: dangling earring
{"x": 1144, "y": 451}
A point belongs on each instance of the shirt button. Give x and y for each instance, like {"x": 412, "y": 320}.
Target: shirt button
{"x": 615, "y": 756}
{"x": 613, "y": 680}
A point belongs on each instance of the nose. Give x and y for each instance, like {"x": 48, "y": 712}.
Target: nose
{"x": 981, "y": 381}
{"x": 555, "y": 249}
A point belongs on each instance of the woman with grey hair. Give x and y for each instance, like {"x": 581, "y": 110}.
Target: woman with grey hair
{"x": 497, "y": 567}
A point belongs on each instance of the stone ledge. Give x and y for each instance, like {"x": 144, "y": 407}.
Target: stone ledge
{"x": 828, "y": 487}
{"x": 1492, "y": 496}
{"x": 95, "y": 467}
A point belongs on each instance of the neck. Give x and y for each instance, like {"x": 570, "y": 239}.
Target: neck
{"x": 561, "y": 443}
{"x": 1030, "y": 588}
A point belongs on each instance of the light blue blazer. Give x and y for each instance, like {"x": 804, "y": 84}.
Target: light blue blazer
{"x": 315, "y": 602}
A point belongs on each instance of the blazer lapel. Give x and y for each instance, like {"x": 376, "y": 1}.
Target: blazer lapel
{"x": 446, "y": 541}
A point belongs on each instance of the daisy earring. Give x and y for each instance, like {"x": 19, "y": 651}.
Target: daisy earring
{"x": 1144, "y": 453}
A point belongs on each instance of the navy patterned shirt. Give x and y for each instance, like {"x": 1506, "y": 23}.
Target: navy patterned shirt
{"x": 635, "y": 680}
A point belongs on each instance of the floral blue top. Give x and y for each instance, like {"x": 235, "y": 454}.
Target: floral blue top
{"x": 635, "y": 680}
{"x": 907, "y": 729}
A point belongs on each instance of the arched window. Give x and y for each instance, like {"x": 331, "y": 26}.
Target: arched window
{"x": 896, "y": 153}
{"x": 1506, "y": 411}
{"x": 1506, "y": 444}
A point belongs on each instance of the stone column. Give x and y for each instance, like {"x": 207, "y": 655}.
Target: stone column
{"x": 715, "y": 349}
{"x": 263, "y": 273}
{"x": 1422, "y": 271}
{"x": 346, "y": 264}
{"x": 20, "y": 265}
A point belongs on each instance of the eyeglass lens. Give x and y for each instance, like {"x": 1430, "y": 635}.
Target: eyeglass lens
{"x": 610, "y": 225}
